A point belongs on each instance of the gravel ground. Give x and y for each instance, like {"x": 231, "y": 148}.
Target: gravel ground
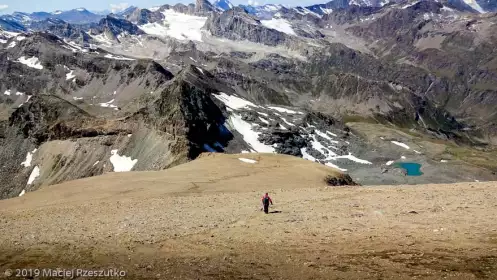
{"x": 214, "y": 229}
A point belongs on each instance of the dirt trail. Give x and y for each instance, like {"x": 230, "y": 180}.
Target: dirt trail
{"x": 317, "y": 232}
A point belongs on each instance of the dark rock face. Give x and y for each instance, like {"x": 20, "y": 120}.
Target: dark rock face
{"x": 237, "y": 24}
{"x": 63, "y": 29}
{"x": 345, "y": 180}
{"x": 11, "y": 26}
{"x": 113, "y": 26}
{"x": 185, "y": 109}
{"x": 350, "y": 14}
{"x": 36, "y": 118}
{"x": 143, "y": 16}
{"x": 53, "y": 54}
{"x": 204, "y": 7}
{"x": 287, "y": 142}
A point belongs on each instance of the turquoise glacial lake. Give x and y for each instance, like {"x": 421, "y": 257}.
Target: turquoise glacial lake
{"x": 411, "y": 168}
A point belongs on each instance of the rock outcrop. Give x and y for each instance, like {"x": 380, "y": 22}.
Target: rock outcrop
{"x": 237, "y": 24}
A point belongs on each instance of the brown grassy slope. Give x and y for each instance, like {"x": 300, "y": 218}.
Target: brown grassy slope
{"x": 209, "y": 173}
{"x": 158, "y": 225}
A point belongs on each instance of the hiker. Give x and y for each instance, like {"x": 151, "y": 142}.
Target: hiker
{"x": 265, "y": 202}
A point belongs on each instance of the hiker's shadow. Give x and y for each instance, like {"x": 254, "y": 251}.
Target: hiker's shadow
{"x": 274, "y": 212}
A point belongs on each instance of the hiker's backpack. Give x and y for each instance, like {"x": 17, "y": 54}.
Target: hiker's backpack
{"x": 266, "y": 200}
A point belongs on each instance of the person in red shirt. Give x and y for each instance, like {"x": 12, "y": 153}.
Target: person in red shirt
{"x": 265, "y": 202}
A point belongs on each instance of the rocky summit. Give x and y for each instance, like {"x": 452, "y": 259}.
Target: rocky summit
{"x": 362, "y": 87}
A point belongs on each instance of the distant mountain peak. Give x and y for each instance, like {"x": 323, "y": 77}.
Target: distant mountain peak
{"x": 223, "y": 4}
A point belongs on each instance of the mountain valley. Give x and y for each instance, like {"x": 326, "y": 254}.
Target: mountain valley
{"x": 358, "y": 86}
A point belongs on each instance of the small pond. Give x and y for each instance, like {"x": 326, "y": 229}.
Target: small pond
{"x": 411, "y": 168}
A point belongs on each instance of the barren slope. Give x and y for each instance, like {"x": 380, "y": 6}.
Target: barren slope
{"x": 201, "y": 220}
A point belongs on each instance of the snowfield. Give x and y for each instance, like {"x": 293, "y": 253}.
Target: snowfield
{"x": 279, "y": 24}
{"x": 249, "y": 135}
{"x": 32, "y": 62}
{"x": 177, "y": 25}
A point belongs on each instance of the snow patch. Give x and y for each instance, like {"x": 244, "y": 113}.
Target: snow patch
{"x": 332, "y": 134}
{"x": 353, "y": 158}
{"x": 248, "y": 160}
{"x": 390, "y": 162}
{"x": 34, "y": 174}
{"x": 279, "y": 24}
{"x": 77, "y": 98}
{"x": 324, "y": 135}
{"x": 70, "y": 75}
{"x": 22, "y": 193}
{"x": 20, "y": 38}
{"x": 263, "y": 120}
{"x": 7, "y": 92}
{"x": 201, "y": 71}
{"x": 117, "y": 57}
{"x": 263, "y": 114}
{"x": 29, "y": 158}
{"x": 102, "y": 38}
{"x": 335, "y": 166}
{"x": 400, "y": 144}
{"x": 109, "y": 105}
{"x": 32, "y": 62}
{"x": 96, "y": 162}
{"x": 11, "y": 45}
{"x": 326, "y": 11}
{"x": 233, "y": 102}
{"x": 121, "y": 163}
{"x": 307, "y": 156}
{"x": 284, "y": 110}
{"x": 289, "y": 123}
{"x": 473, "y": 4}
{"x": 249, "y": 136}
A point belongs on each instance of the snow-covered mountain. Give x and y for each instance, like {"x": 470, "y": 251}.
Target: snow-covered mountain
{"x": 223, "y": 4}
{"x": 75, "y": 16}
{"x": 264, "y": 11}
